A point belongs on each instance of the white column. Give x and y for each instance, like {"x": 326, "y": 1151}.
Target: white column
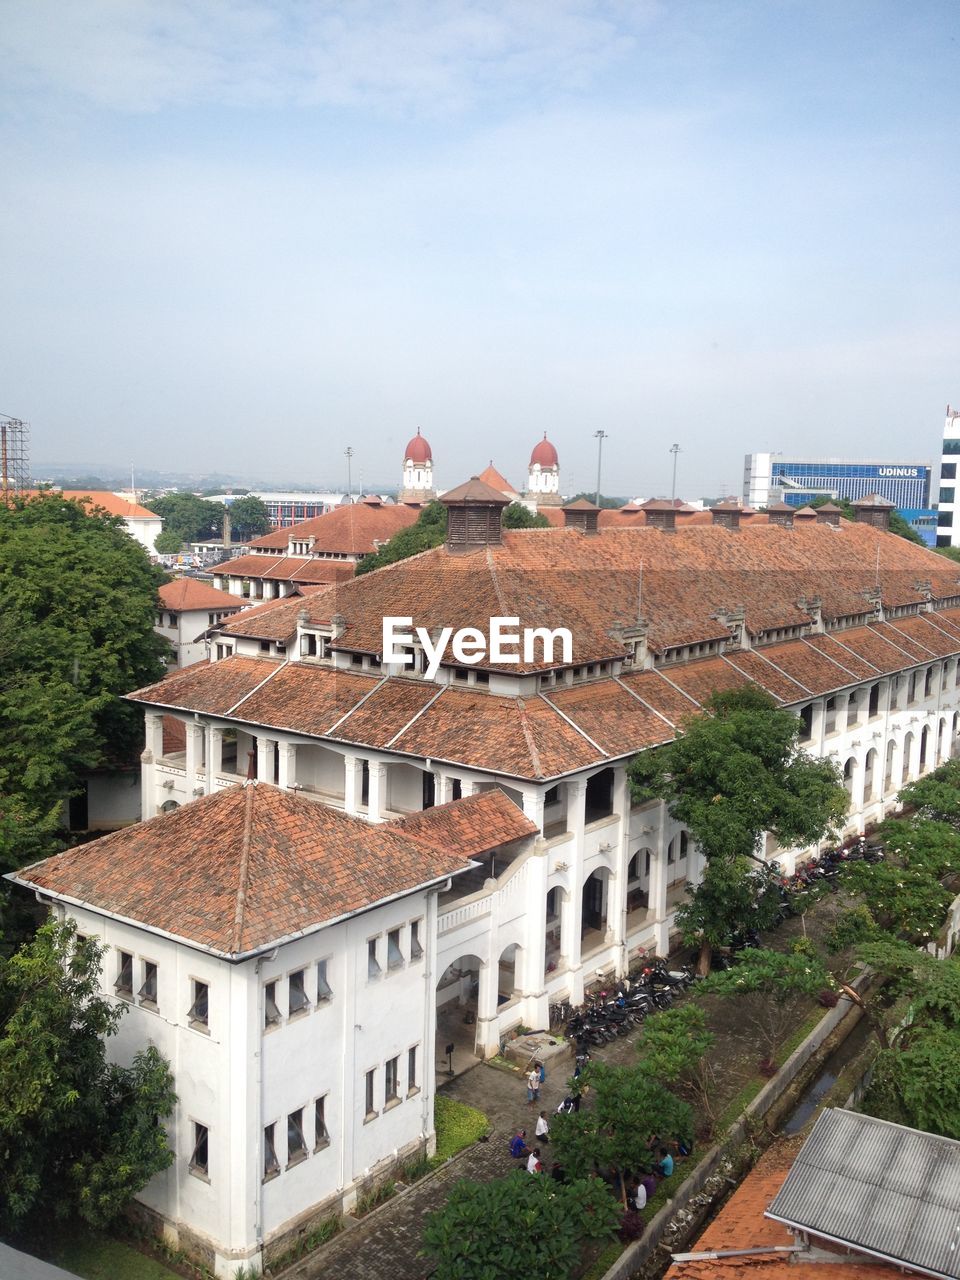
{"x": 287, "y": 772}
{"x": 214, "y": 755}
{"x": 352, "y": 783}
{"x": 488, "y": 1036}
{"x": 658, "y": 889}
{"x": 378, "y": 791}
{"x": 533, "y": 807}
{"x": 531, "y": 980}
{"x": 470, "y": 787}
{"x": 194, "y": 777}
{"x": 617, "y": 882}
{"x": 571, "y": 915}
{"x": 444, "y": 788}
{"x": 265, "y": 758}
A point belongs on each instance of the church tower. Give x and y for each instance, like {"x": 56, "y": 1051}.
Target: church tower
{"x": 417, "y": 485}
{"x": 543, "y": 477}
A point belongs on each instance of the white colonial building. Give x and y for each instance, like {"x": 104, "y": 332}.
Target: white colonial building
{"x": 853, "y": 629}
{"x": 186, "y": 609}
{"x": 543, "y": 475}
{"x": 282, "y": 956}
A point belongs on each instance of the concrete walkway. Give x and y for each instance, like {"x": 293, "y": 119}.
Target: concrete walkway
{"x": 386, "y": 1244}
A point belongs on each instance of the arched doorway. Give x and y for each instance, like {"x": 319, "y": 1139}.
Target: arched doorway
{"x": 508, "y": 974}
{"x": 888, "y": 767}
{"x": 556, "y": 900}
{"x": 869, "y": 776}
{"x": 593, "y": 912}
{"x": 907, "y": 752}
{"x": 458, "y": 989}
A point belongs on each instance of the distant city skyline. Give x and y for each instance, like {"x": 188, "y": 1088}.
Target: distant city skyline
{"x": 238, "y": 238}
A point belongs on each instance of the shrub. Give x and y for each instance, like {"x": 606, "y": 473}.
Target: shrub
{"x": 457, "y": 1126}
{"x": 631, "y": 1226}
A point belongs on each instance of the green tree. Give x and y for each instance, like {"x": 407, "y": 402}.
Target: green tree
{"x": 429, "y": 531}
{"x": 77, "y": 608}
{"x": 521, "y": 1225}
{"x": 770, "y": 988}
{"x": 78, "y": 1135}
{"x": 673, "y": 1048}
{"x": 167, "y": 543}
{"x": 937, "y": 794}
{"x": 192, "y": 519}
{"x": 732, "y": 774}
{"x": 249, "y": 518}
{"x": 627, "y": 1108}
{"x": 606, "y": 503}
{"x": 733, "y": 896}
{"x": 517, "y": 516}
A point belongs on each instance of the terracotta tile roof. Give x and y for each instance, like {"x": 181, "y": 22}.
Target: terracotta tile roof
{"x": 491, "y": 476}
{"x": 761, "y": 666}
{"x": 672, "y": 703}
{"x": 272, "y": 620}
{"x": 305, "y": 699}
{"x": 835, "y": 648}
{"x": 740, "y": 1224}
{"x": 354, "y": 529}
{"x": 213, "y": 687}
{"x": 610, "y": 714}
{"x": 924, "y": 633}
{"x": 174, "y": 735}
{"x": 240, "y": 870}
{"x": 286, "y": 569}
{"x": 809, "y": 667}
{"x": 110, "y": 502}
{"x": 471, "y": 825}
{"x": 188, "y": 593}
{"x": 705, "y": 676}
{"x": 868, "y": 644}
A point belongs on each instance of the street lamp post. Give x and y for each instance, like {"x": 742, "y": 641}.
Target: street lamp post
{"x": 348, "y": 454}
{"x": 601, "y": 435}
{"x": 674, "y": 449}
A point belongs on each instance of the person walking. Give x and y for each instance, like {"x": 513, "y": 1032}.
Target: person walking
{"x": 533, "y": 1086}
{"x": 543, "y": 1128}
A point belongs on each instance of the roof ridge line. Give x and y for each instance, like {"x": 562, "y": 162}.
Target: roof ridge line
{"x": 414, "y": 718}
{"x": 770, "y": 662}
{"x": 914, "y": 660}
{"x": 673, "y": 685}
{"x": 644, "y": 703}
{"x": 528, "y": 736}
{"x": 357, "y": 705}
{"x": 910, "y": 637}
{"x": 877, "y": 669}
{"x": 255, "y": 689}
{"x": 241, "y": 905}
{"x": 573, "y": 725}
{"x": 928, "y": 617}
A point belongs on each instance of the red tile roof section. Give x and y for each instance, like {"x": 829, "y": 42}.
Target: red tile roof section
{"x": 286, "y": 569}
{"x": 354, "y": 529}
{"x": 740, "y": 1224}
{"x": 187, "y": 593}
{"x": 244, "y": 868}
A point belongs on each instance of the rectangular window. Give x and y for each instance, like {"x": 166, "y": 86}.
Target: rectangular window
{"x": 946, "y": 493}
{"x": 296, "y": 1146}
{"x": 324, "y": 991}
{"x": 456, "y": 790}
{"x": 373, "y": 964}
{"x": 416, "y": 946}
{"x": 371, "y": 1084}
{"x": 394, "y": 954}
{"x": 199, "y": 1161}
{"x": 200, "y": 1009}
{"x": 124, "y": 983}
{"x": 948, "y": 471}
{"x": 391, "y": 1080}
{"x": 297, "y": 1001}
{"x": 148, "y": 988}
{"x": 308, "y": 646}
{"x": 321, "y": 1136}
{"x": 271, "y": 1010}
{"x": 271, "y": 1165}
{"x": 412, "y": 1085}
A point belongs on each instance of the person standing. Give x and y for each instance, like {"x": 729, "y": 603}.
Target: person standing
{"x": 543, "y": 1128}
{"x": 533, "y": 1086}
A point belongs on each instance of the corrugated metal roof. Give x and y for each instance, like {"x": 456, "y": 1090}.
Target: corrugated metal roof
{"x": 880, "y": 1187}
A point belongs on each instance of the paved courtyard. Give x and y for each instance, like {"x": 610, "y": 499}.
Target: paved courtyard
{"x": 386, "y": 1244}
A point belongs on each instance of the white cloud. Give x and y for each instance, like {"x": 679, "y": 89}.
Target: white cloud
{"x": 432, "y": 55}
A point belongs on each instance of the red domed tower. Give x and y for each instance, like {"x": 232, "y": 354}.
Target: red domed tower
{"x": 417, "y": 483}
{"x": 543, "y": 477}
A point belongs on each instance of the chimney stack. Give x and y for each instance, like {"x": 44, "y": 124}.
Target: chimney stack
{"x": 874, "y": 510}
{"x": 727, "y": 515}
{"x": 474, "y": 516}
{"x": 582, "y": 515}
{"x": 781, "y": 513}
{"x": 829, "y": 513}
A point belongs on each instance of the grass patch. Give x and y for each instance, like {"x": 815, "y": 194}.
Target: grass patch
{"x": 379, "y": 1195}
{"x": 457, "y": 1126}
{"x": 98, "y": 1257}
{"x": 604, "y": 1261}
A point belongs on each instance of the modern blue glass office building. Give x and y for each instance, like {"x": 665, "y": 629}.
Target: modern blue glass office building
{"x": 771, "y": 477}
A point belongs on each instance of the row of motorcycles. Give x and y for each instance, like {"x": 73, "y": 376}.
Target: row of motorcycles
{"x": 609, "y": 1014}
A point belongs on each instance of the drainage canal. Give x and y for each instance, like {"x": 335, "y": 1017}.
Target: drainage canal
{"x": 830, "y": 1072}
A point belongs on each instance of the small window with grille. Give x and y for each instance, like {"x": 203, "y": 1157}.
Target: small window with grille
{"x": 148, "y": 988}
{"x": 297, "y": 1001}
{"x": 199, "y": 1014}
{"x": 200, "y": 1160}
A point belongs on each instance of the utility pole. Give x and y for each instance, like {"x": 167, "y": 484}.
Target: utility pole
{"x": 674, "y": 449}
{"x": 348, "y": 454}
{"x": 600, "y": 435}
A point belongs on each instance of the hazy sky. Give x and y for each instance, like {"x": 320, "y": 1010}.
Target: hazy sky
{"x": 243, "y": 235}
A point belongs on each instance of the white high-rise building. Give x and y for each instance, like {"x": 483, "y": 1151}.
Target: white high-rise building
{"x": 948, "y": 517}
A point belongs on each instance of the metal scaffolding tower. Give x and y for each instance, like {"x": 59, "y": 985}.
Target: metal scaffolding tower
{"x": 14, "y": 457}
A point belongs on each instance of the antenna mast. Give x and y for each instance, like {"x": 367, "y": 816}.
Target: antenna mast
{"x": 14, "y": 457}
